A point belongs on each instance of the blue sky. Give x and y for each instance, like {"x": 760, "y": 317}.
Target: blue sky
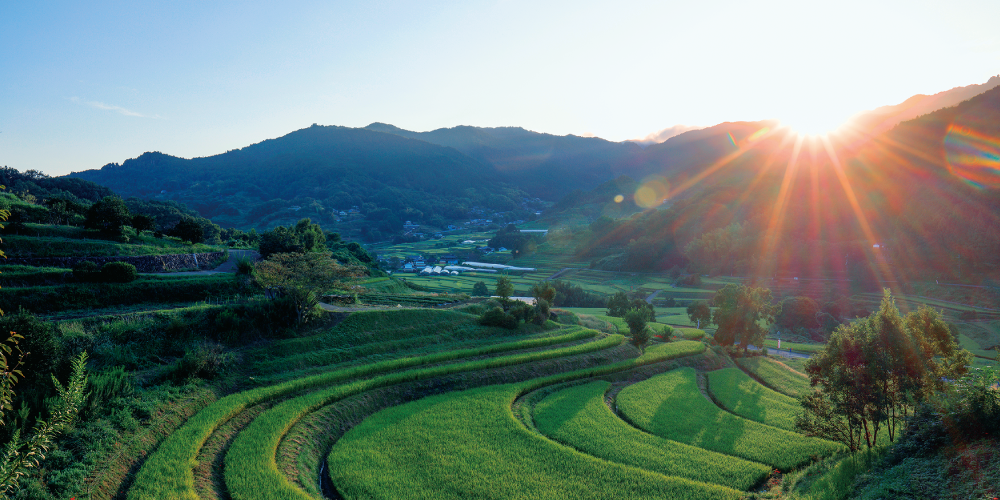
{"x": 83, "y": 84}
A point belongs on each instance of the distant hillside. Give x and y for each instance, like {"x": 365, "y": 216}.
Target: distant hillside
{"x": 884, "y": 118}
{"x": 545, "y": 165}
{"x": 318, "y": 172}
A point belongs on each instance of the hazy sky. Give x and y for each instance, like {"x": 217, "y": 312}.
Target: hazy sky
{"x": 83, "y": 84}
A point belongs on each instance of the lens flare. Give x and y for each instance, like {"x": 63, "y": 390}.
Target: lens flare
{"x": 652, "y": 192}
{"x": 619, "y": 198}
{"x": 973, "y": 156}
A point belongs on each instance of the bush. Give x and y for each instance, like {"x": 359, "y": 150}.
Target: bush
{"x": 480, "y": 290}
{"x": 86, "y": 271}
{"x": 497, "y": 317}
{"x": 118, "y": 272}
{"x": 244, "y": 266}
{"x": 206, "y": 361}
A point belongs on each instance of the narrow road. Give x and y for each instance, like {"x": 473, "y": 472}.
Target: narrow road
{"x": 783, "y": 353}
{"x": 649, "y": 300}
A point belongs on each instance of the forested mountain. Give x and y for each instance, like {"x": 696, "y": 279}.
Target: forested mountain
{"x": 927, "y": 193}
{"x": 545, "y": 165}
{"x": 318, "y": 171}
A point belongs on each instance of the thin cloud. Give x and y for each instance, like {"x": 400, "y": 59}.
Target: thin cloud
{"x": 662, "y": 135}
{"x": 110, "y": 107}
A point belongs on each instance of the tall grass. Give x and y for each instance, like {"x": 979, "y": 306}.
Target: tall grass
{"x": 671, "y": 406}
{"x": 168, "y": 473}
{"x": 837, "y": 483}
{"x": 735, "y": 391}
{"x": 579, "y": 417}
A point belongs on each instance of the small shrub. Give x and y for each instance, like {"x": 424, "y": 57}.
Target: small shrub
{"x": 206, "y": 361}
{"x": 244, "y": 266}
{"x": 86, "y": 271}
{"x": 118, "y": 272}
{"x": 480, "y": 290}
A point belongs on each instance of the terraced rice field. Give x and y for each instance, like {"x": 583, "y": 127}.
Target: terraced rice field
{"x": 429, "y": 404}
{"x": 776, "y": 375}
{"x": 735, "y": 391}
{"x": 672, "y": 406}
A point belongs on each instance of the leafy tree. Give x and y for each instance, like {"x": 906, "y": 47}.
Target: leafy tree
{"x": 303, "y": 237}
{"x": 618, "y": 304}
{"x": 798, "y": 312}
{"x": 545, "y": 295}
{"x": 504, "y": 289}
{"x": 873, "y": 371}
{"x": 636, "y": 319}
{"x": 108, "y": 215}
{"x": 480, "y": 290}
{"x": 698, "y": 312}
{"x": 740, "y": 310}
{"x": 144, "y": 222}
{"x": 301, "y": 278}
{"x": 188, "y": 229}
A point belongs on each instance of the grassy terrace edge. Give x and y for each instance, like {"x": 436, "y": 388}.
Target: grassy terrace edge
{"x": 251, "y": 468}
{"x": 500, "y": 398}
{"x": 169, "y": 471}
{"x": 578, "y": 417}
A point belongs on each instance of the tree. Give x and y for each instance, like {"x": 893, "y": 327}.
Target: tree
{"x": 636, "y": 320}
{"x": 479, "y": 289}
{"x": 545, "y": 295}
{"x": 618, "y": 305}
{"x": 108, "y": 215}
{"x": 301, "y": 278}
{"x": 303, "y": 237}
{"x": 698, "y": 311}
{"x": 739, "y": 312}
{"x": 144, "y": 222}
{"x": 188, "y": 229}
{"x": 873, "y": 371}
{"x": 504, "y": 289}
{"x": 798, "y": 312}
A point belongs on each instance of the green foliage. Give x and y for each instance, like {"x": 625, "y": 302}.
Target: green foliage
{"x": 776, "y": 375}
{"x": 20, "y": 454}
{"x": 618, "y": 305}
{"x": 118, "y": 272}
{"x": 874, "y": 369}
{"x": 300, "y": 278}
{"x": 87, "y": 271}
{"x": 480, "y": 290}
{"x": 168, "y": 473}
{"x": 108, "y": 215}
{"x": 106, "y": 386}
{"x": 740, "y": 310}
{"x": 570, "y": 295}
{"x": 188, "y": 229}
{"x": 798, "y": 312}
{"x": 302, "y": 238}
{"x": 699, "y": 312}
{"x": 636, "y": 320}
{"x": 146, "y": 289}
{"x": 572, "y": 416}
{"x": 497, "y": 317}
{"x": 671, "y": 406}
{"x": 205, "y": 361}
{"x": 742, "y": 395}
{"x": 504, "y": 288}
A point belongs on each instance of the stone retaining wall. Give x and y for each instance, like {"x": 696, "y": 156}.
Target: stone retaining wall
{"x": 142, "y": 263}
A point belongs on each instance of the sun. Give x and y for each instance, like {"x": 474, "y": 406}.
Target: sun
{"x": 814, "y": 124}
